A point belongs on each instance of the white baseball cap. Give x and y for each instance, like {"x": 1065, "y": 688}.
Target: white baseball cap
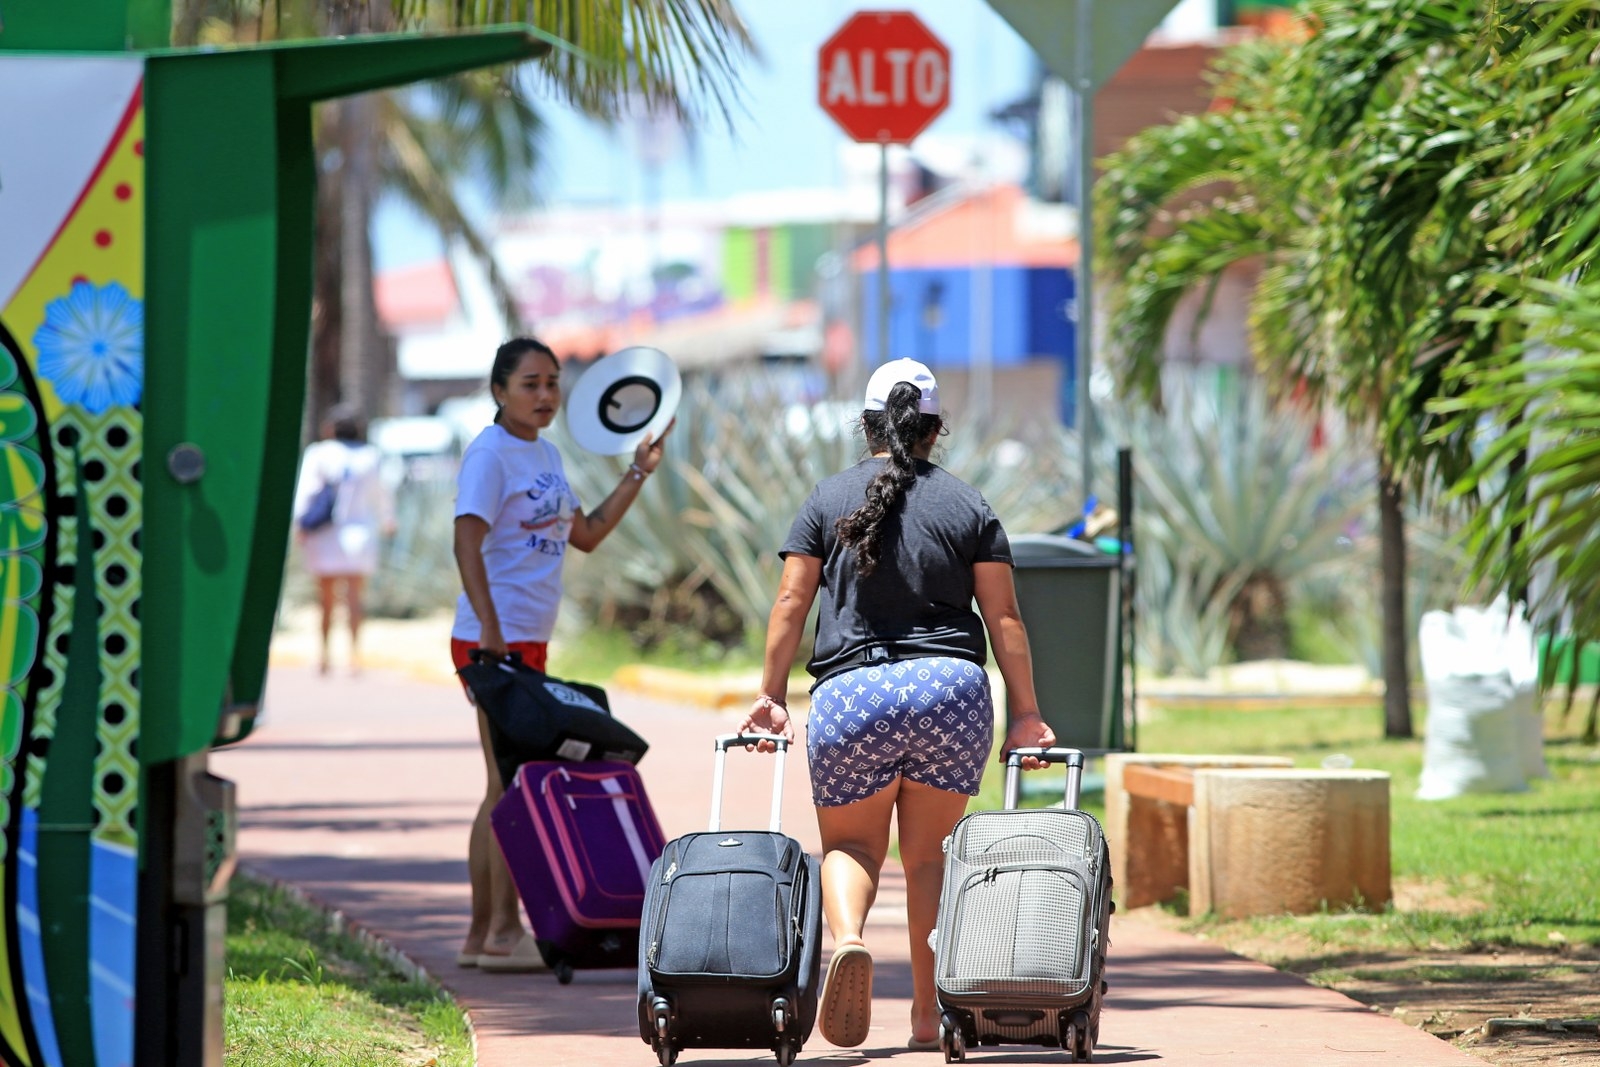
{"x": 895, "y": 371}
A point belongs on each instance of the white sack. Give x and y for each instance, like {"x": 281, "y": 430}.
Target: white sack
{"x": 1484, "y": 734}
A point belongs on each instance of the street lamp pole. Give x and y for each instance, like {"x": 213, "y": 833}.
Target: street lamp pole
{"x": 883, "y": 253}
{"x": 1083, "y": 330}
{"x": 1085, "y": 42}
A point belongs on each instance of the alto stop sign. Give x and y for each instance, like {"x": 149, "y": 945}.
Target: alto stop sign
{"x": 883, "y": 76}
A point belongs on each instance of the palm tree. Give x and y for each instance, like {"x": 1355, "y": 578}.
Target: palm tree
{"x": 678, "y": 55}
{"x": 1240, "y": 185}
{"x": 1536, "y": 381}
{"x": 1344, "y": 158}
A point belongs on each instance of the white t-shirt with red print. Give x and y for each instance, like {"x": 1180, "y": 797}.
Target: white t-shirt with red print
{"x": 520, "y": 489}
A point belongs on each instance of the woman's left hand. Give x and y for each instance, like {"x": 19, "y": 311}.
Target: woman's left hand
{"x": 647, "y": 454}
{"x": 767, "y": 716}
{"x": 1028, "y": 730}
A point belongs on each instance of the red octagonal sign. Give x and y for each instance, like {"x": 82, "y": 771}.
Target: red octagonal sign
{"x": 883, "y": 76}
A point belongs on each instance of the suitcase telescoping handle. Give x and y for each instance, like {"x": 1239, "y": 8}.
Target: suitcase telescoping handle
{"x": 1072, "y": 757}
{"x": 727, "y": 741}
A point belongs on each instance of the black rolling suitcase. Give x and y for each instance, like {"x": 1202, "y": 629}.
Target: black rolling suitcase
{"x": 729, "y": 951}
{"x": 1024, "y": 923}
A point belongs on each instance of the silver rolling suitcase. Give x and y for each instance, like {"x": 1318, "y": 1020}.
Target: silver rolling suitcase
{"x": 1024, "y": 922}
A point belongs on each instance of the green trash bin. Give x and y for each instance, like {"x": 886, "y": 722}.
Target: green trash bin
{"x": 1070, "y": 595}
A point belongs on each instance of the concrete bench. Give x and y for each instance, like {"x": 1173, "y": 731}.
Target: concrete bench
{"x": 1246, "y": 835}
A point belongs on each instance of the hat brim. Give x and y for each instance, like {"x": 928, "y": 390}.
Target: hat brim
{"x": 622, "y": 398}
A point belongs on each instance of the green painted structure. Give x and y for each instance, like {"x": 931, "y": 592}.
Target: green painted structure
{"x": 155, "y": 289}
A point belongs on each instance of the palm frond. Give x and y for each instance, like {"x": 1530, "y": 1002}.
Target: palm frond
{"x": 678, "y": 56}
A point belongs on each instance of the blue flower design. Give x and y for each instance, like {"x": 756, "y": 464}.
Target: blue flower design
{"x": 91, "y": 347}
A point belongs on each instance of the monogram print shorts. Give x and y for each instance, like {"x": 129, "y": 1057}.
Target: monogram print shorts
{"x": 928, "y": 720}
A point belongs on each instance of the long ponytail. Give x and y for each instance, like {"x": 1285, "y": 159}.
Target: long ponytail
{"x": 900, "y": 428}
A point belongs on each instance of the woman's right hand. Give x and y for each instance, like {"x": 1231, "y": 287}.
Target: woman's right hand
{"x": 767, "y": 716}
{"x": 490, "y": 640}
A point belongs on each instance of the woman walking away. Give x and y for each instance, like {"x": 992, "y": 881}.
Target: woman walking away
{"x": 341, "y": 508}
{"x": 902, "y": 718}
{"x": 515, "y": 517}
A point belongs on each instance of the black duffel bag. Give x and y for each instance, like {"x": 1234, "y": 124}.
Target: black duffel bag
{"x": 533, "y": 716}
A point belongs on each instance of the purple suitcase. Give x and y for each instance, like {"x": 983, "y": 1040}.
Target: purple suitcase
{"x": 579, "y": 839}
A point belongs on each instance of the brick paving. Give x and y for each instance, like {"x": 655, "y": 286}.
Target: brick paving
{"x": 359, "y": 792}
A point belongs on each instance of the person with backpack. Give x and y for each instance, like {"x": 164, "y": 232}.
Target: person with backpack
{"x": 342, "y": 510}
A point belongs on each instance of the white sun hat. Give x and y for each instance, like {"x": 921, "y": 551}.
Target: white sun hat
{"x": 621, "y": 398}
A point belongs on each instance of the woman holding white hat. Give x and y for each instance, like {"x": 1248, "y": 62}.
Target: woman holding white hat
{"x": 902, "y": 719}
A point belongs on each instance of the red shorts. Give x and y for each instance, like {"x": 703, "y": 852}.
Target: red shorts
{"x": 534, "y": 654}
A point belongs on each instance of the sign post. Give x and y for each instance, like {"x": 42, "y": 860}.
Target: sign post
{"x": 884, "y": 77}
{"x": 1085, "y": 42}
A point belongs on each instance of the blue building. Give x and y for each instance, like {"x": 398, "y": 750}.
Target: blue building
{"x": 977, "y": 280}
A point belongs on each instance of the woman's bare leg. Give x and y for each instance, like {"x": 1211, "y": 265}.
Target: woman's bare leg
{"x": 496, "y": 923}
{"x": 855, "y": 841}
{"x": 327, "y": 594}
{"x": 355, "y": 587}
{"x": 925, "y": 816}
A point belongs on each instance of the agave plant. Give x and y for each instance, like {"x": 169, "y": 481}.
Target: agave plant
{"x": 1235, "y": 506}
{"x": 417, "y": 568}
{"x": 1229, "y": 493}
{"x": 1183, "y": 603}
{"x": 738, "y": 468}
{"x": 1437, "y": 577}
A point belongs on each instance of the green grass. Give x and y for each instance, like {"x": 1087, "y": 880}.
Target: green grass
{"x": 300, "y": 995}
{"x": 1475, "y": 872}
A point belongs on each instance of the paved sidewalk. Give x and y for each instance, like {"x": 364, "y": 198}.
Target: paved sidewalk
{"x": 360, "y": 792}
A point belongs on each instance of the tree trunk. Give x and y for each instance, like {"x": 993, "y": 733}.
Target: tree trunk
{"x": 358, "y": 341}
{"x": 1396, "y": 630}
{"x": 1258, "y": 619}
{"x": 349, "y": 360}
{"x": 327, "y": 318}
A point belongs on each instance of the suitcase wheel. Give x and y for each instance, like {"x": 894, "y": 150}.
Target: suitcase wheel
{"x": 1079, "y": 1038}
{"x": 661, "y": 1015}
{"x": 780, "y": 1014}
{"x": 951, "y": 1042}
{"x": 786, "y": 1049}
{"x": 560, "y": 963}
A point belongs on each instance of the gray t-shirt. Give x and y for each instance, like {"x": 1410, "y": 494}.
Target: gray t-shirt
{"x": 919, "y": 600}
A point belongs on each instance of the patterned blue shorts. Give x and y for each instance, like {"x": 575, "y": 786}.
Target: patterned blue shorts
{"x": 927, "y": 720}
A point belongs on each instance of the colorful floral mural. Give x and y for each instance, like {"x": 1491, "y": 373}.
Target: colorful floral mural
{"x": 91, "y": 347}
{"x": 71, "y": 435}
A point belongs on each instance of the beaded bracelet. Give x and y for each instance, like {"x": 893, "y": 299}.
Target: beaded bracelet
{"x": 637, "y": 473}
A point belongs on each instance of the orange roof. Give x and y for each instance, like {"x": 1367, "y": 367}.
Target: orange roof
{"x": 420, "y": 295}
{"x": 985, "y": 229}
{"x": 729, "y": 331}
{"x": 583, "y": 339}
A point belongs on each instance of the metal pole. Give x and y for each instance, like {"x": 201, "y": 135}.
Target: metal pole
{"x": 883, "y": 253}
{"x": 1083, "y": 129}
